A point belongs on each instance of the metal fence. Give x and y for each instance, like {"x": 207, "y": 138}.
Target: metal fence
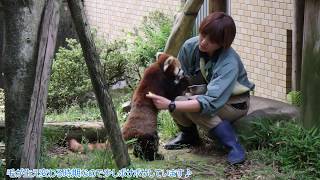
{"x": 203, "y": 12}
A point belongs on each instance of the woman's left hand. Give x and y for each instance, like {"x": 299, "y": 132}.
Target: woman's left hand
{"x": 159, "y": 101}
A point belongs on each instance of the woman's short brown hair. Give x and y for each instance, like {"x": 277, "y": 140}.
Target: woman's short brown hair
{"x": 220, "y": 28}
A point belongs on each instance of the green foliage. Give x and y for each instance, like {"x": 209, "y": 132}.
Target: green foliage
{"x": 114, "y": 61}
{"x": 167, "y": 126}
{"x": 294, "y": 147}
{"x": 150, "y": 38}
{"x": 69, "y": 78}
{"x": 120, "y": 59}
{"x": 98, "y": 159}
{"x": 90, "y": 112}
{"x": 123, "y": 95}
{"x": 295, "y": 98}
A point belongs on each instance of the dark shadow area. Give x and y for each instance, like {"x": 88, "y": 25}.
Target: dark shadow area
{"x": 66, "y": 27}
{"x": 1, "y": 44}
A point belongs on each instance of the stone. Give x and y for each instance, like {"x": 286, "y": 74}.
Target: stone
{"x": 126, "y": 106}
{"x": 264, "y": 108}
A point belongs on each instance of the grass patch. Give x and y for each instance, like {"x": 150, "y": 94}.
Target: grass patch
{"x": 287, "y": 144}
{"x": 270, "y": 158}
{"x": 263, "y": 157}
{"x": 90, "y": 111}
{"x": 167, "y": 127}
{"x": 98, "y": 159}
{"x": 286, "y": 150}
{"x": 75, "y": 113}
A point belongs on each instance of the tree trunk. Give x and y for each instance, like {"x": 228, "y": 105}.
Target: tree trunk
{"x": 217, "y": 5}
{"x": 183, "y": 27}
{"x": 48, "y": 34}
{"x": 297, "y": 37}
{"x": 90, "y": 131}
{"x": 22, "y": 21}
{"x": 311, "y": 65}
{"x": 1, "y": 44}
{"x": 107, "y": 110}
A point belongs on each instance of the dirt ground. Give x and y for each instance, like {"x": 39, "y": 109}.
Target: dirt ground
{"x": 205, "y": 162}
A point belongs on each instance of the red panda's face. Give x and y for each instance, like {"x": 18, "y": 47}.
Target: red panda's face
{"x": 171, "y": 65}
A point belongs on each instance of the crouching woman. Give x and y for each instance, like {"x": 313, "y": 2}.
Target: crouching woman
{"x": 220, "y": 88}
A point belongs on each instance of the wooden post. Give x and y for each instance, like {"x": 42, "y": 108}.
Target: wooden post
{"x": 48, "y": 33}
{"x": 311, "y": 65}
{"x": 22, "y": 24}
{"x": 183, "y": 27}
{"x": 108, "y": 113}
{"x": 217, "y": 5}
{"x": 297, "y": 36}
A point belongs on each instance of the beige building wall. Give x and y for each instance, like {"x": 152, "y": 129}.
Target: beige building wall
{"x": 111, "y": 17}
{"x": 263, "y": 37}
{"x": 263, "y": 41}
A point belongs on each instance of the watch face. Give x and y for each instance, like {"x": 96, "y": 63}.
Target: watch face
{"x": 172, "y": 106}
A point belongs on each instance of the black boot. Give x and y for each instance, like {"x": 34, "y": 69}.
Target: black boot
{"x": 225, "y": 134}
{"x": 189, "y": 136}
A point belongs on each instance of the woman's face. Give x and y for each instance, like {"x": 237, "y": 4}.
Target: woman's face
{"x": 205, "y": 45}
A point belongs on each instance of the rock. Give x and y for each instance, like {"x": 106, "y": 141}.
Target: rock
{"x": 87, "y": 98}
{"x": 126, "y": 106}
{"x": 263, "y": 108}
{"x": 119, "y": 85}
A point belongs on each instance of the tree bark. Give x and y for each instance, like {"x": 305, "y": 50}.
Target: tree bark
{"x": 107, "y": 110}
{"x": 90, "y": 131}
{"x": 1, "y": 44}
{"x": 217, "y": 5}
{"x": 297, "y": 37}
{"x": 311, "y": 65}
{"x": 183, "y": 27}
{"x": 22, "y": 21}
{"x": 48, "y": 34}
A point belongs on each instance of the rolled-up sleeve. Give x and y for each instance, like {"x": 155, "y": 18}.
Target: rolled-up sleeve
{"x": 219, "y": 89}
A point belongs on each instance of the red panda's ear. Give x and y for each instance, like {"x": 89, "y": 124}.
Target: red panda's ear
{"x": 167, "y": 63}
{"x": 158, "y": 55}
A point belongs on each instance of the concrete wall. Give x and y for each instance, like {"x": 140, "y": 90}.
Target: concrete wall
{"x": 111, "y": 17}
{"x": 263, "y": 40}
{"x": 263, "y": 37}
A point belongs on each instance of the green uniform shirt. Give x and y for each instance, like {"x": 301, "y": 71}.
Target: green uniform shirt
{"x": 223, "y": 69}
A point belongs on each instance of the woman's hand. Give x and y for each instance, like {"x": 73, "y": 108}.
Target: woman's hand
{"x": 159, "y": 101}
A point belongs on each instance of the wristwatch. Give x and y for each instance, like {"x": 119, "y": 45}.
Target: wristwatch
{"x": 172, "y": 106}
